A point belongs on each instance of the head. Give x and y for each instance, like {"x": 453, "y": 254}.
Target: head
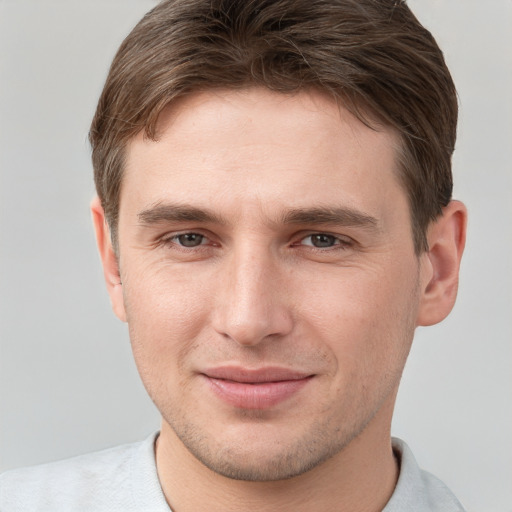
{"x": 274, "y": 220}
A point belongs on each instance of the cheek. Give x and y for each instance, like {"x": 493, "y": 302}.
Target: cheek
{"x": 165, "y": 316}
{"x": 365, "y": 317}
{"x": 162, "y": 300}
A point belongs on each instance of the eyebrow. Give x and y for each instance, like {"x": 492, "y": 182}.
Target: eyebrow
{"x": 312, "y": 216}
{"x": 177, "y": 213}
{"x": 327, "y": 215}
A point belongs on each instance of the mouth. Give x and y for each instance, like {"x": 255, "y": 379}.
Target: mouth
{"x": 255, "y": 388}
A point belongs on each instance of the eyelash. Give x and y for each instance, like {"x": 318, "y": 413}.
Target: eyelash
{"x": 172, "y": 241}
{"x": 339, "y": 243}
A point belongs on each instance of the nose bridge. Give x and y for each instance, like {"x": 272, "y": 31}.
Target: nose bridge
{"x": 252, "y": 307}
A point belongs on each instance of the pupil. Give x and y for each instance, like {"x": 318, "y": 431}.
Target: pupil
{"x": 323, "y": 240}
{"x": 190, "y": 239}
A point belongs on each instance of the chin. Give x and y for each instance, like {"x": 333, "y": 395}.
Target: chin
{"x": 252, "y": 467}
{"x": 264, "y": 455}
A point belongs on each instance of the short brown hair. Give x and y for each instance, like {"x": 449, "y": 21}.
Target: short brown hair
{"x": 373, "y": 56}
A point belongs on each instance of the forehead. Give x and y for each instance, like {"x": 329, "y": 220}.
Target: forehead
{"x": 262, "y": 148}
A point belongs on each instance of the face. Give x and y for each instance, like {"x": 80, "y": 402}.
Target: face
{"x": 269, "y": 278}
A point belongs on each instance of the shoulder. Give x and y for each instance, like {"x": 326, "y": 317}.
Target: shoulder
{"x": 93, "y": 482}
{"x": 417, "y": 489}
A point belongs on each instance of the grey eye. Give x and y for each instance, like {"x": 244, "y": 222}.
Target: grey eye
{"x": 320, "y": 240}
{"x": 190, "y": 239}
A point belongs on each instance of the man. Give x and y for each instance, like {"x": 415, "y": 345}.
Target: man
{"x": 274, "y": 218}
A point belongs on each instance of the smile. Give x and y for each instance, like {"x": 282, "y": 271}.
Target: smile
{"x": 255, "y": 389}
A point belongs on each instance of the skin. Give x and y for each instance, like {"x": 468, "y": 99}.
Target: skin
{"x": 262, "y": 289}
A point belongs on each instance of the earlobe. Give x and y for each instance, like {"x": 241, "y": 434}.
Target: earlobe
{"x": 109, "y": 259}
{"x": 441, "y": 263}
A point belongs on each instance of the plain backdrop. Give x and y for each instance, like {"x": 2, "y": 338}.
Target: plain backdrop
{"x": 67, "y": 381}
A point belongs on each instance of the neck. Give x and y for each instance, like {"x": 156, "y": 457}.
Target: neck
{"x": 360, "y": 478}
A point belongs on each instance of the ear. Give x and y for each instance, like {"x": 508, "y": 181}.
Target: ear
{"x": 440, "y": 264}
{"x": 108, "y": 259}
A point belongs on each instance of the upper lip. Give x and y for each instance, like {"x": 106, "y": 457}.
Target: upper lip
{"x": 255, "y": 375}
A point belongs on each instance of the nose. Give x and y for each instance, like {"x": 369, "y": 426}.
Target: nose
{"x": 251, "y": 305}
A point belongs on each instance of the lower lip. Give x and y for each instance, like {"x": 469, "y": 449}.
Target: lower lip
{"x": 256, "y": 396}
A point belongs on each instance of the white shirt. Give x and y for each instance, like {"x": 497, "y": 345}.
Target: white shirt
{"x": 125, "y": 479}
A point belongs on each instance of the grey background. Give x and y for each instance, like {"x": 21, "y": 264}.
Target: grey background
{"x": 67, "y": 381}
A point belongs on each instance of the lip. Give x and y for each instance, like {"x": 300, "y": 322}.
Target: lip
{"x": 260, "y": 388}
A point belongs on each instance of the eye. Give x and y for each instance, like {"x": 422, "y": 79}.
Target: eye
{"x": 321, "y": 240}
{"x": 189, "y": 239}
